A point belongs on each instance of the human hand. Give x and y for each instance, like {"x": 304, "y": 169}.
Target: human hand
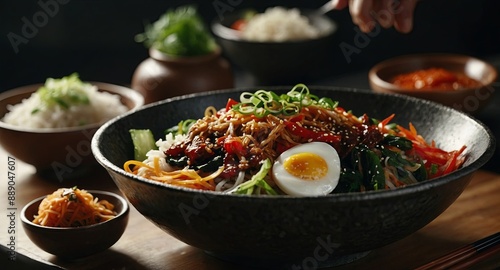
{"x": 387, "y": 13}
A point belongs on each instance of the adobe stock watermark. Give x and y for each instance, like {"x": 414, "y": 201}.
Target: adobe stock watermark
{"x": 223, "y": 6}
{"x": 75, "y": 157}
{"x": 11, "y": 210}
{"x": 362, "y": 40}
{"x": 31, "y": 26}
{"x": 471, "y": 103}
{"x": 200, "y": 202}
{"x": 322, "y": 252}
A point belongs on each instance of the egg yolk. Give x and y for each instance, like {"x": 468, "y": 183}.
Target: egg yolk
{"x": 307, "y": 166}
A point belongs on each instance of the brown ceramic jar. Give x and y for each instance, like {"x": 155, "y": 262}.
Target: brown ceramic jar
{"x": 163, "y": 76}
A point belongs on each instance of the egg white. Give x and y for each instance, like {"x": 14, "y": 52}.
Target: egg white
{"x": 296, "y": 186}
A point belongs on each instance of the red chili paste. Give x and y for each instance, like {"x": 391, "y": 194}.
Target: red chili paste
{"x": 435, "y": 79}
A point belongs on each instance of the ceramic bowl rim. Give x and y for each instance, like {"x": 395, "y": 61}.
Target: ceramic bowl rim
{"x": 123, "y": 213}
{"x": 373, "y": 73}
{"x": 119, "y": 90}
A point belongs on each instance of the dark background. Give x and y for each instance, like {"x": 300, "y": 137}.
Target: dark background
{"x": 96, "y": 38}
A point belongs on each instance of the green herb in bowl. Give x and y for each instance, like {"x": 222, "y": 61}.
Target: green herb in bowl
{"x": 179, "y": 32}
{"x": 64, "y": 92}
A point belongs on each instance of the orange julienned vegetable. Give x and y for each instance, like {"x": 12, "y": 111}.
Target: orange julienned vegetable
{"x": 444, "y": 161}
{"x": 73, "y": 207}
{"x": 183, "y": 178}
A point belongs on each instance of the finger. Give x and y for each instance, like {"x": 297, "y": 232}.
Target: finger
{"x": 383, "y": 13}
{"x": 360, "y": 13}
{"x": 339, "y": 4}
{"x": 403, "y": 18}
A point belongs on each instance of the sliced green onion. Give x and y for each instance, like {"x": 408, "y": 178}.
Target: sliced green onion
{"x": 260, "y": 112}
{"x": 246, "y": 97}
{"x": 262, "y": 102}
{"x": 328, "y": 103}
{"x": 244, "y": 108}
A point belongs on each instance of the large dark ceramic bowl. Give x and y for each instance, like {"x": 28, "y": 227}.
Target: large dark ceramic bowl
{"x": 277, "y": 62}
{"x": 325, "y": 230}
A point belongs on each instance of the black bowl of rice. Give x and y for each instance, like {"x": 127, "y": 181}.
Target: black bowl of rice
{"x": 280, "y": 231}
{"x": 55, "y": 138}
{"x": 278, "y": 45}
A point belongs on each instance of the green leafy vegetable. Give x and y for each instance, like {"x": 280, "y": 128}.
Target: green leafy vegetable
{"x": 257, "y": 180}
{"x": 143, "y": 141}
{"x": 181, "y": 128}
{"x": 368, "y": 164}
{"x": 350, "y": 181}
{"x": 399, "y": 142}
{"x": 179, "y": 32}
{"x": 64, "y": 92}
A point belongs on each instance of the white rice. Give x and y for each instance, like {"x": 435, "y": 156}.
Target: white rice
{"x": 163, "y": 145}
{"x": 102, "y": 107}
{"x": 278, "y": 24}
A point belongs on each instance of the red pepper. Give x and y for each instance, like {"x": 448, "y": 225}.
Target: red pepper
{"x": 239, "y": 24}
{"x": 280, "y": 148}
{"x": 296, "y": 118}
{"x": 310, "y": 135}
{"x": 234, "y": 146}
{"x": 340, "y": 109}
{"x": 454, "y": 162}
{"x": 431, "y": 154}
{"x": 230, "y": 103}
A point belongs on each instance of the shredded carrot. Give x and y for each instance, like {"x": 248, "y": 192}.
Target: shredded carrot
{"x": 386, "y": 121}
{"x": 183, "y": 178}
{"x": 432, "y": 155}
{"x": 454, "y": 162}
{"x": 73, "y": 207}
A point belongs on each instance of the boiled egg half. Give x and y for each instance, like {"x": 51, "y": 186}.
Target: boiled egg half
{"x": 309, "y": 169}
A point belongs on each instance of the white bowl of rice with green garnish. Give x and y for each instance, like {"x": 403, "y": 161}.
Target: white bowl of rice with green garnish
{"x": 50, "y": 125}
{"x": 63, "y": 103}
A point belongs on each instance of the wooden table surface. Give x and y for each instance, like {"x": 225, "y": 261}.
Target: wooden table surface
{"x": 474, "y": 215}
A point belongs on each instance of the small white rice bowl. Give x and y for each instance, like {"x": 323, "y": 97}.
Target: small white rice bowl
{"x": 278, "y": 24}
{"x": 102, "y": 106}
